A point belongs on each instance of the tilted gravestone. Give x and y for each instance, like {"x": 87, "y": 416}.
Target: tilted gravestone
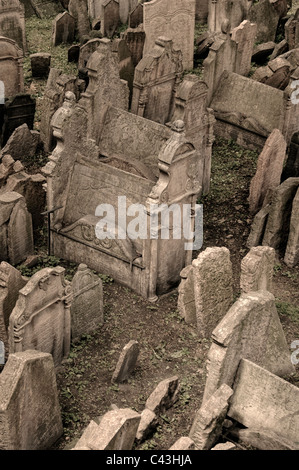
{"x": 291, "y": 257}
{"x": 87, "y": 306}
{"x": 110, "y": 19}
{"x": 30, "y": 417}
{"x": 251, "y": 329}
{"x": 126, "y": 362}
{"x": 41, "y": 318}
{"x": 261, "y": 400}
{"x": 18, "y": 110}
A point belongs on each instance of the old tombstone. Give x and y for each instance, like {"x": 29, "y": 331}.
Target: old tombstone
{"x": 268, "y": 173}
{"x": 125, "y": 62}
{"x": 264, "y": 401}
{"x": 258, "y": 227}
{"x": 208, "y": 422}
{"x": 202, "y": 10}
{"x": 40, "y": 64}
{"x": 58, "y": 85}
{"x": 292, "y": 31}
{"x": 213, "y": 292}
{"x": 15, "y": 228}
{"x": 21, "y": 145}
{"x": 11, "y": 282}
{"x": 248, "y": 111}
{"x": 46, "y": 8}
{"x": 18, "y": 110}
{"x": 164, "y": 395}
{"x": 226, "y": 14}
{"x": 135, "y": 39}
{"x": 186, "y": 300}
{"x": 244, "y": 36}
{"x": 148, "y": 423}
{"x": 86, "y": 51}
{"x": 291, "y": 257}
{"x": 41, "y": 317}
{"x": 110, "y": 19}
{"x": 277, "y": 228}
{"x": 63, "y": 29}
{"x": 78, "y": 10}
{"x": 257, "y": 269}
{"x": 264, "y": 14}
{"x": 126, "y": 363}
{"x": 73, "y": 53}
{"x": 30, "y": 417}
{"x": 136, "y": 16}
{"x": 251, "y": 329}
{"x": 116, "y": 431}
{"x": 262, "y": 439}
{"x": 183, "y": 443}
{"x": 155, "y": 81}
{"x": 87, "y": 305}
{"x": 11, "y": 67}
{"x": 174, "y": 20}
{"x": 191, "y": 107}
{"x": 12, "y": 22}
{"x": 291, "y": 168}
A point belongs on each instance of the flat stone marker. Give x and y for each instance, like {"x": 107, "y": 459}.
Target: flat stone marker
{"x": 126, "y": 362}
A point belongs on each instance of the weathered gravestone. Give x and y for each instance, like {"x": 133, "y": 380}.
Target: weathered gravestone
{"x": 164, "y": 395}
{"x": 87, "y": 305}
{"x": 191, "y": 107}
{"x": 58, "y": 85}
{"x": 63, "y": 29}
{"x": 135, "y": 39}
{"x": 78, "y": 9}
{"x": 125, "y": 62}
{"x": 156, "y": 78}
{"x": 110, "y": 19}
{"x": 40, "y": 64}
{"x": 136, "y": 16}
{"x": 226, "y": 14}
{"x": 86, "y": 51}
{"x": 11, "y": 282}
{"x": 261, "y": 400}
{"x": 291, "y": 257}
{"x": 207, "y": 425}
{"x": 11, "y": 67}
{"x": 277, "y": 228}
{"x": 292, "y": 31}
{"x": 18, "y": 110}
{"x": 126, "y": 363}
{"x": 264, "y": 14}
{"x": 213, "y": 291}
{"x": 116, "y": 431}
{"x": 268, "y": 173}
{"x": 251, "y": 330}
{"x": 21, "y": 145}
{"x": 174, "y": 19}
{"x": 16, "y": 241}
{"x": 30, "y": 417}
{"x": 202, "y": 10}
{"x": 257, "y": 269}
{"x": 244, "y": 36}
{"x": 291, "y": 168}
{"x": 41, "y": 318}
{"x": 46, "y": 8}
{"x": 12, "y": 22}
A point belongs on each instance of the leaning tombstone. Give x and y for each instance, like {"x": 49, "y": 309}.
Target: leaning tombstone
{"x": 63, "y": 29}
{"x": 126, "y": 363}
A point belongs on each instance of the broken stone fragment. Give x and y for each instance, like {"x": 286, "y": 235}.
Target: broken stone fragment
{"x": 164, "y": 395}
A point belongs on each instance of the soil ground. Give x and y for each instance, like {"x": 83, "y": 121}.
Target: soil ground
{"x": 168, "y": 346}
